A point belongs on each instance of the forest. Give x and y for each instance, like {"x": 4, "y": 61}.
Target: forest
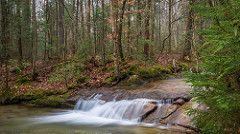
{"x": 50, "y": 50}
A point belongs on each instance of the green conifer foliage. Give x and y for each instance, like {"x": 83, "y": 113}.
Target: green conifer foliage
{"x": 219, "y": 86}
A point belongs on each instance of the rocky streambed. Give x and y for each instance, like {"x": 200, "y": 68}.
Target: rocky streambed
{"x": 167, "y": 100}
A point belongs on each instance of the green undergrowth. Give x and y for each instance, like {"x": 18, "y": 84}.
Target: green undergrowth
{"x": 135, "y": 73}
{"x": 41, "y": 97}
{"x": 52, "y": 100}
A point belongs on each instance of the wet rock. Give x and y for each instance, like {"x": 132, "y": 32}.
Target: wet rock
{"x": 162, "y": 111}
{"x": 179, "y": 102}
{"x": 180, "y": 118}
{"x": 146, "y": 110}
{"x": 157, "y": 95}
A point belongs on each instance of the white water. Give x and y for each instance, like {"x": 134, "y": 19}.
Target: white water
{"x": 94, "y": 111}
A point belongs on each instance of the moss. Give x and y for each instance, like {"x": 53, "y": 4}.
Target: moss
{"x": 128, "y": 82}
{"x": 132, "y": 69}
{"x": 145, "y": 73}
{"x": 53, "y": 100}
{"x": 33, "y": 95}
{"x": 73, "y": 87}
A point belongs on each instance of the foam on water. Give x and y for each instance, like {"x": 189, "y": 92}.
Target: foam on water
{"x": 94, "y": 111}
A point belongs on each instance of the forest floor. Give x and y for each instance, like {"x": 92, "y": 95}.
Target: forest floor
{"x": 49, "y": 87}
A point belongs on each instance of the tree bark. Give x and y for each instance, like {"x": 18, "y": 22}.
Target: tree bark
{"x": 61, "y": 26}
{"x": 76, "y": 27}
{"x": 88, "y": 19}
{"x": 34, "y": 41}
{"x": 138, "y": 22}
{"x": 103, "y": 33}
{"x": 5, "y": 36}
{"x": 82, "y": 20}
{"x": 170, "y": 26}
{"x": 189, "y": 28}
{"x": 114, "y": 38}
{"x": 27, "y": 29}
{"x": 19, "y": 33}
{"x": 73, "y": 27}
{"x": 120, "y": 32}
{"x": 146, "y": 44}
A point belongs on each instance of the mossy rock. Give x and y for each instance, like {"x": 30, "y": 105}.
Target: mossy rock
{"x": 130, "y": 81}
{"x": 33, "y": 95}
{"x": 53, "y": 100}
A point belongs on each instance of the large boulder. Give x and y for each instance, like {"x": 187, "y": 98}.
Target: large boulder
{"x": 162, "y": 112}
{"x": 181, "y": 118}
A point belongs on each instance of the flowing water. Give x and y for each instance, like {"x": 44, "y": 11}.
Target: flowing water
{"x": 90, "y": 116}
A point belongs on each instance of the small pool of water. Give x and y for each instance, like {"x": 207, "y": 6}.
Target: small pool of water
{"x": 19, "y": 119}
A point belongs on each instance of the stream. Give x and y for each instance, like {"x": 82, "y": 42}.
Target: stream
{"x": 90, "y": 116}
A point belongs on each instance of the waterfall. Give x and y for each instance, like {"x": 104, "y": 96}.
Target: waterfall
{"x": 128, "y": 110}
{"x": 94, "y": 111}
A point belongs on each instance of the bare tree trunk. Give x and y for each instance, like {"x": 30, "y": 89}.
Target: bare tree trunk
{"x": 88, "y": 19}
{"x": 146, "y": 44}
{"x": 64, "y": 56}
{"x": 61, "y": 26}
{"x": 19, "y": 33}
{"x": 160, "y": 28}
{"x": 73, "y": 27}
{"x": 82, "y": 20}
{"x": 103, "y": 33}
{"x": 57, "y": 28}
{"x": 76, "y": 27}
{"x": 120, "y": 31}
{"x": 94, "y": 31}
{"x": 170, "y": 26}
{"x": 128, "y": 30}
{"x": 5, "y": 36}
{"x": 138, "y": 21}
{"x": 34, "y": 41}
{"x": 152, "y": 26}
{"x": 27, "y": 29}
{"x": 189, "y": 36}
{"x": 114, "y": 38}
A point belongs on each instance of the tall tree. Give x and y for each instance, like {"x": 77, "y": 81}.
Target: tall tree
{"x": 27, "y": 38}
{"x": 189, "y": 29}
{"x": 82, "y": 20}
{"x": 147, "y": 37}
{"x": 88, "y": 19}
{"x": 5, "y": 35}
{"x": 113, "y": 15}
{"x": 103, "y": 33}
{"x": 19, "y": 42}
{"x": 34, "y": 41}
{"x": 170, "y": 26}
{"x": 76, "y": 26}
{"x": 61, "y": 26}
{"x": 119, "y": 34}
